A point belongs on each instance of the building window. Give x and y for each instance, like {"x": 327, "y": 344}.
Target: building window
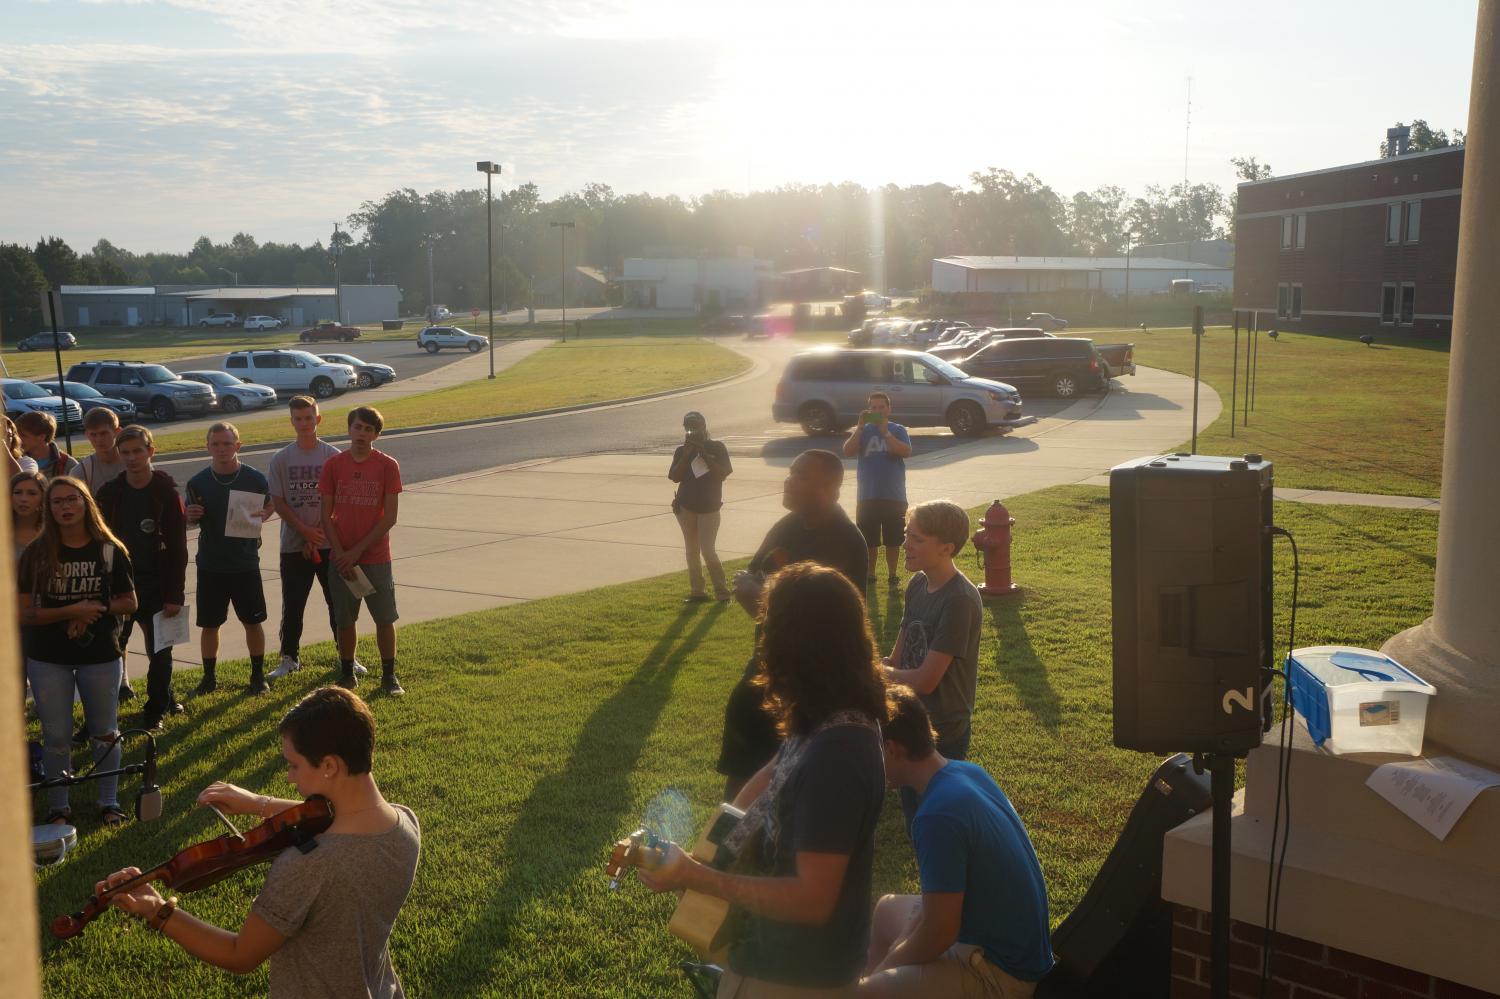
{"x": 1387, "y": 305}
{"x": 1301, "y": 227}
{"x": 1283, "y": 300}
{"x": 1393, "y": 223}
{"x": 1413, "y": 220}
{"x": 1286, "y": 232}
{"x": 1408, "y": 304}
{"x": 1296, "y": 311}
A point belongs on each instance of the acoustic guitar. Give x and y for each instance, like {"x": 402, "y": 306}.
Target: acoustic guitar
{"x": 699, "y": 920}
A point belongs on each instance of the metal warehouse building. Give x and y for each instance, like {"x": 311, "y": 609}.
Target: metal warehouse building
{"x": 1002, "y": 275}
{"x": 186, "y": 305}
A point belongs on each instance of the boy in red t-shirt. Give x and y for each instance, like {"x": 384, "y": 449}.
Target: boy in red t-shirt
{"x": 360, "y": 489}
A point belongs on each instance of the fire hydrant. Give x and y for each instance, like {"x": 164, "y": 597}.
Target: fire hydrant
{"x": 992, "y": 541}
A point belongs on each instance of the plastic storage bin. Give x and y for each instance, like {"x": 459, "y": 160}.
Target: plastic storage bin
{"x": 1358, "y": 700}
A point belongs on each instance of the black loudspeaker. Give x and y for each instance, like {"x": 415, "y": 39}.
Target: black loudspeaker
{"x": 1190, "y": 545}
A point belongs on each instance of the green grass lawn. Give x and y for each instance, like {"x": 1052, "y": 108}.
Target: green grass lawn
{"x": 1329, "y": 411}
{"x": 533, "y": 736}
{"x": 561, "y": 374}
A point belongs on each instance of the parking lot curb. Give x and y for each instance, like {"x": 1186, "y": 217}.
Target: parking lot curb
{"x": 507, "y": 418}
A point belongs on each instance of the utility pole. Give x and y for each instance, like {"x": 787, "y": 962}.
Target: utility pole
{"x": 489, "y": 170}
{"x": 338, "y": 288}
{"x": 562, "y": 274}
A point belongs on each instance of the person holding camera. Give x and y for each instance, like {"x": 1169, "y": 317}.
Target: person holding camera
{"x": 699, "y": 467}
{"x": 880, "y": 512}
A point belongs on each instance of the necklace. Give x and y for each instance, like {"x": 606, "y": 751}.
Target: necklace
{"x": 222, "y": 482}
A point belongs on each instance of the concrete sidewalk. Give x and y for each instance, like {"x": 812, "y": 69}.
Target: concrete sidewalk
{"x": 544, "y": 528}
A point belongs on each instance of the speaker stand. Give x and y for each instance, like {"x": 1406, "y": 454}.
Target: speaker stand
{"x": 1221, "y": 773}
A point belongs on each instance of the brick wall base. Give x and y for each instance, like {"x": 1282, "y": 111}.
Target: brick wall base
{"x": 1300, "y": 969}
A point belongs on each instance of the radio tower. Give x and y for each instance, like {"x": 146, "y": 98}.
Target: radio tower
{"x": 1187, "y": 131}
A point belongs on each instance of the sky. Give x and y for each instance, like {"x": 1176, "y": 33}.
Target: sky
{"x": 152, "y": 122}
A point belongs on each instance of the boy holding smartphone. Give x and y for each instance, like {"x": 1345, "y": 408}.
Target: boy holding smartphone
{"x": 880, "y": 512}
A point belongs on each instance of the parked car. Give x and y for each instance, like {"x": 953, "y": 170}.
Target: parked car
{"x": 931, "y": 331}
{"x": 964, "y": 346}
{"x": 1046, "y": 321}
{"x": 91, "y": 398}
{"x": 233, "y": 393}
{"x": 1064, "y": 366}
{"x": 263, "y": 323}
{"x": 1119, "y": 358}
{"x": 291, "y": 371}
{"x": 368, "y": 375}
{"x": 22, "y": 396}
{"x": 43, "y": 341}
{"x": 220, "y": 319}
{"x": 152, "y": 387}
{"x": 881, "y": 333}
{"x": 434, "y": 338}
{"x": 329, "y": 331}
{"x": 825, "y": 390}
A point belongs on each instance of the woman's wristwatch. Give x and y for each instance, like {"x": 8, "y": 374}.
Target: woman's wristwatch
{"x": 158, "y": 919}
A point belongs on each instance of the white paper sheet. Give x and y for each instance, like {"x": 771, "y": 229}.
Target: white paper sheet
{"x": 1435, "y": 792}
{"x": 239, "y": 522}
{"x": 359, "y": 586}
{"x": 699, "y": 466}
{"x": 170, "y": 630}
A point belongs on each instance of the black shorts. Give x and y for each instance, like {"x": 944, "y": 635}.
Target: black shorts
{"x": 217, "y": 590}
{"x": 881, "y": 519}
{"x": 750, "y": 738}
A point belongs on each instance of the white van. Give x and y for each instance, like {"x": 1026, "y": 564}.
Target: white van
{"x": 291, "y": 371}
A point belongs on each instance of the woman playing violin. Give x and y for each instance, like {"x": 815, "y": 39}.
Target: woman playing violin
{"x": 325, "y": 915}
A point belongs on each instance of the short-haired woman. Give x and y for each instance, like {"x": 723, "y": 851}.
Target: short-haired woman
{"x": 324, "y": 916}
{"x": 800, "y": 911}
{"x": 74, "y": 582}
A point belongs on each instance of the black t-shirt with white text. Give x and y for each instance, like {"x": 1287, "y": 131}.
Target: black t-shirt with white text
{"x": 83, "y": 573}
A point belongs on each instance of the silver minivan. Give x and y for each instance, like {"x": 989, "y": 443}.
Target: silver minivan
{"x": 826, "y": 390}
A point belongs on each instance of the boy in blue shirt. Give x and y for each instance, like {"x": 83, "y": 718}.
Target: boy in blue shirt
{"x": 979, "y": 928}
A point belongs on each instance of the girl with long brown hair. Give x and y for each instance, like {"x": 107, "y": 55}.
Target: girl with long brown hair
{"x": 26, "y": 490}
{"x": 800, "y": 890}
{"x": 74, "y": 582}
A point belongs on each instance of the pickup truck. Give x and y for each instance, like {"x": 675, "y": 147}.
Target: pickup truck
{"x": 329, "y": 331}
{"x": 1119, "y": 358}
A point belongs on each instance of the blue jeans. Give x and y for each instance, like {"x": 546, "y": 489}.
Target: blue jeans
{"x": 98, "y": 687}
{"x": 953, "y": 744}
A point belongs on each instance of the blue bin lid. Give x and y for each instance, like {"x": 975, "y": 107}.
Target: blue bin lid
{"x": 1336, "y": 665}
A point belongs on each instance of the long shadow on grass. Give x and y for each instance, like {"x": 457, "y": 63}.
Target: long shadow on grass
{"x": 1429, "y": 559}
{"x": 572, "y": 816}
{"x": 885, "y": 612}
{"x": 1017, "y": 661}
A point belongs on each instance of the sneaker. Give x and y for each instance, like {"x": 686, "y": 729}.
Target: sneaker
{"x": 359, "y": 667}
{"x": 287, "y": 666}
{"x": 258, "y": 685}
{"x": 348, "y": 681}
{"x": 152, "y": 723}
{"x": 391, "y": 685}
{"x": 207, "y": 685}
{"x": 697, "y": 598}
{"x": 126, "y": 691}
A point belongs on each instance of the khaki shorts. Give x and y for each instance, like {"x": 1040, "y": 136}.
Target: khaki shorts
{"x": 961, "y": 971}
{"x": 382, "y": 602}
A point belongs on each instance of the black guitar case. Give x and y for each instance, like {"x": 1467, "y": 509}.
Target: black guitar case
{"x": 1118, "y": 941}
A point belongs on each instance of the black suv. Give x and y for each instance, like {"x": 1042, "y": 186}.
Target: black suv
{"x": 1064, "y": 367}
{"x": 153, "y": 388}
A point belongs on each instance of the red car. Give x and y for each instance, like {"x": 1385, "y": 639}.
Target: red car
{"x": 329, "y": 331}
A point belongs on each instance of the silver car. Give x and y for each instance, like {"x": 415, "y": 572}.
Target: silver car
{"x": 826, "y": 390}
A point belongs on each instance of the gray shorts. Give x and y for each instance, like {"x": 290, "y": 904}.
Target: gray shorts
{"x": 382, "y": 602}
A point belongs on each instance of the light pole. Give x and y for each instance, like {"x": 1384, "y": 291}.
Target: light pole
{"x": 431, "y": 297}
{"x": 489, "y": 170}
{"x": 233, "y": 274}
{"x": 562, "y": 277}
{"x": 1128, "y": 235}
{"x": 338, "y": 289}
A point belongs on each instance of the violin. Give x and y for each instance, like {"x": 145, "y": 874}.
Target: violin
{"x": 212, "y": 861}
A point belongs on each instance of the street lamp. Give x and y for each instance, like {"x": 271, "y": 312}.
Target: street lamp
{"x": 489, "y": 170}
{"x": 562, "y": 252}
{"x": 1129, "y": 233}
{"x": 338, "y": 288}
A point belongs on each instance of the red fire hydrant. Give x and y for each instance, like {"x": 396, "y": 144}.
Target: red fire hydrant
{"x": 993, "y": 542}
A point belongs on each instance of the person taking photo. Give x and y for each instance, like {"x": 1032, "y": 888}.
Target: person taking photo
{"x": 699, "y": 467}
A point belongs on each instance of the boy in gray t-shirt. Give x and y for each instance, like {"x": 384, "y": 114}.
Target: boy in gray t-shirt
{"x": 937, "y": 648}
{"x": 295, "y": 471}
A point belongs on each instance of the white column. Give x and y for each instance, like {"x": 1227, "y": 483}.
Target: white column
{"x": 1458, "y": 648}
{"x": 18, "y": 930}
